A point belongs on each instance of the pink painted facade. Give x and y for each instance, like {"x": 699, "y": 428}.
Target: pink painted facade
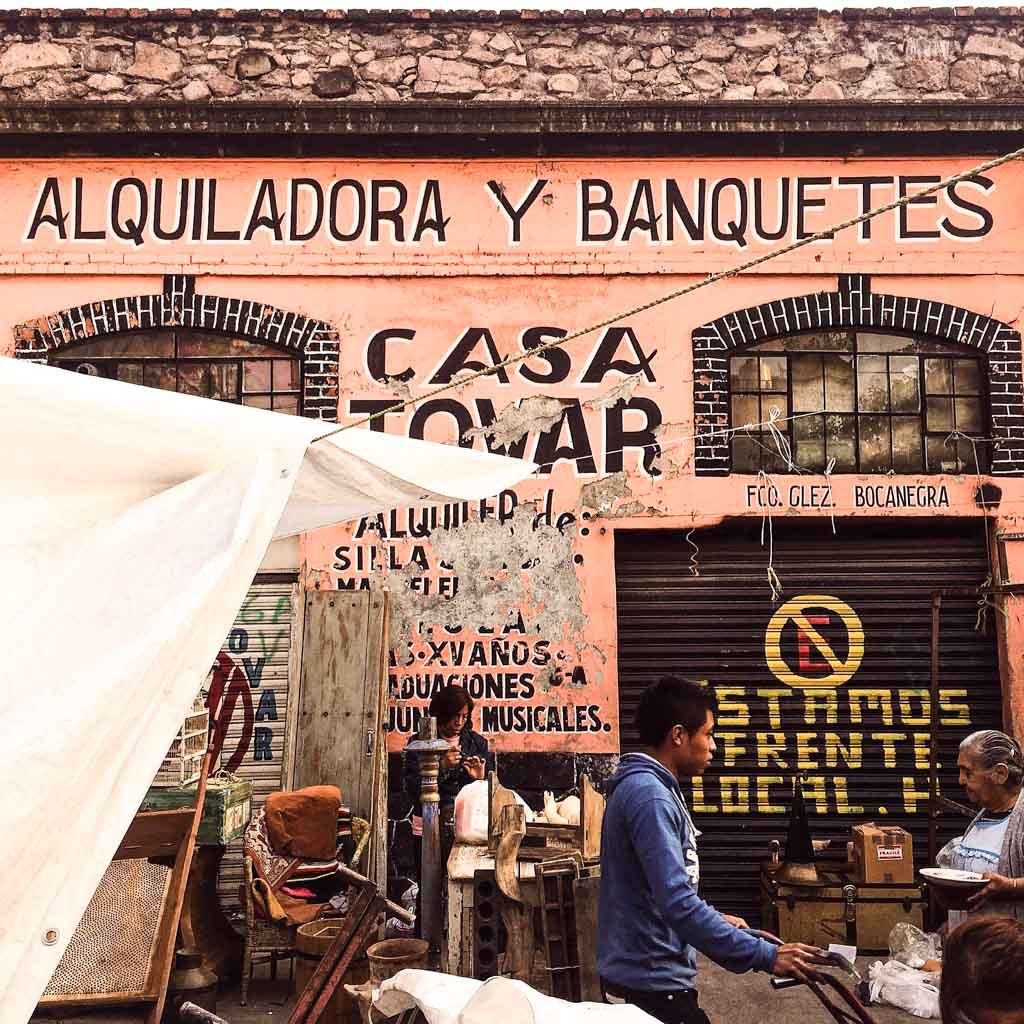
{"x": 437, "y": 267}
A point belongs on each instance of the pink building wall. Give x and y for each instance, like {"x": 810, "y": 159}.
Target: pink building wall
{"x": 553, "y": 659}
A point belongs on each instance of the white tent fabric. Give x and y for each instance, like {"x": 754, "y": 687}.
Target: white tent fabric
{"x": 132, "y": 522}
{"x": 443, "y": 999}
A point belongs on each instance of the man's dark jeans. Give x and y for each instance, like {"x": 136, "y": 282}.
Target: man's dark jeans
{"x": 678, "y": 1007}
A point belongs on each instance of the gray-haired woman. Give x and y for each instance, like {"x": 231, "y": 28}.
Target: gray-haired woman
{"x": 992, "y": 772}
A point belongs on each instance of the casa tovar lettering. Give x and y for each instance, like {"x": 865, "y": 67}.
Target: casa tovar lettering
{"x": 672, "y": 211}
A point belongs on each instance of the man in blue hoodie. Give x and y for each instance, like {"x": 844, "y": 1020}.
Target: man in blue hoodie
{"x": 651, "y": 920}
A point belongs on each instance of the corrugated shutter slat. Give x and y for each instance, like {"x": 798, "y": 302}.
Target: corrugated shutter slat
{"x": 712, "y": 626}
{"x": 260, "y": 641}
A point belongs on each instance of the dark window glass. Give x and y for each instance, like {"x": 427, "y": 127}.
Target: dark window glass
{"x": 198, "y": 363}
{"x": 839, "y": 386}
{"x": 859, "y": 401}
{"x": 808, "y": 383}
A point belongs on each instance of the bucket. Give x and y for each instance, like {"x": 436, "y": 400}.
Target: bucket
{"x": 389, "y": 957}
{"x": 311, "y": 942}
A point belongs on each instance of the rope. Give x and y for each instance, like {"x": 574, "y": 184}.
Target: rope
{"x": 687, "y": 289}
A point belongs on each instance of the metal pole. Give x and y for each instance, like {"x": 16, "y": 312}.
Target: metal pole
{"x": 933, "y": 734}
{"x": 933, "y": 751}
{"x": 429, "y": 749}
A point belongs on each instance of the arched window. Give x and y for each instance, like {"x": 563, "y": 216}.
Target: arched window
{"x": 194, "y": 362}
{"x": 873, "y": 402}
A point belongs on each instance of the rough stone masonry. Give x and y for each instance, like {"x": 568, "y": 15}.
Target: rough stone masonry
{"x": 195, "y": 57}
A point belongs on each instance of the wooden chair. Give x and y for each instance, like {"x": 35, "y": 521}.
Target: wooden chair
{"x": 265, "y": 941}
{"x": 268, "y": 942}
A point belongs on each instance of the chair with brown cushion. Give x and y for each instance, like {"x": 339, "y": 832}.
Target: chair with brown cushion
{"x": 265, "y": 940}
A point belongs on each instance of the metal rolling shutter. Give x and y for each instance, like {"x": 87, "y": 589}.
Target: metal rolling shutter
{"x": 257, "y": 745}
{"x": 712, "y": 626}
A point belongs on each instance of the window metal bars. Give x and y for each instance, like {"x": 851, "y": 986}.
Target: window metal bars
{"x": 284, "y": 399}
{"x": 764, "y": 447}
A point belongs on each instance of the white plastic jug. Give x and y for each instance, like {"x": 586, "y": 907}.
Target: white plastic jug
{"x": 471, "y": 814}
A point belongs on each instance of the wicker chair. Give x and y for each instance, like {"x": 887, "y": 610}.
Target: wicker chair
{"x": 267, "y": 942}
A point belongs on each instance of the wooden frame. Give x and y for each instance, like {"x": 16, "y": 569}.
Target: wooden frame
{"x": 542, "y": 841}
{"x": 294, "y": 675}
{"x": 340, "y": 707}
{"x": 164, "y": 835}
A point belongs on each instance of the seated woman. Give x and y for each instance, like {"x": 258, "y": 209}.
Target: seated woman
{"x": 983, "y": 973}
{"x": 991, "y": 771}
{"x": 468, "y": 760}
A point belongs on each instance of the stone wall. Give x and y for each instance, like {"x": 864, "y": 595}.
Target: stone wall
{"x": 224, "y": 56}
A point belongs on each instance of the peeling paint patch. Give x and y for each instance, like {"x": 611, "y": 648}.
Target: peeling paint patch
{"x": 536, "y": 414}
{"x": 399, "y": 385}
{"x": 631, "y": 508}
{"x": 602, "y": 494}
{"x": 494, "y": 588}
{"x": 620, "y": 393}
{"x": 545, "y": 678}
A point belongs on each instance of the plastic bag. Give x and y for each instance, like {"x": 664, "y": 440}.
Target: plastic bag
{"x": 396, "y": 928}
{"x": 913, "y": 947}
{"x": 898, "y": 985}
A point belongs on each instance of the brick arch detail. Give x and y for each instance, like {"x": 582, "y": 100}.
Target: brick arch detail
{"x": 854, "y": 305}
{"x": 179, "y": 305}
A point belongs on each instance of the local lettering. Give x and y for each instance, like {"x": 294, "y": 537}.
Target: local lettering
{"x": 900, "y": 496}
{"x": 826, "y": 496}
{"x": 738, "y": 211}
{"x": 296, "y": 210}
{"x": 685, "y": 211}
{"x": 765, "y": 734}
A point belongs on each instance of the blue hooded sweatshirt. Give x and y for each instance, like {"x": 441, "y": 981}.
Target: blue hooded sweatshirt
{"x": 651, "y": 921}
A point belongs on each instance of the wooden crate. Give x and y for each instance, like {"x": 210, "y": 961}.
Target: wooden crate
{"x": 543, "y": 841}
{"x": 841, "y": 911}
{"x": 226, "y": 812}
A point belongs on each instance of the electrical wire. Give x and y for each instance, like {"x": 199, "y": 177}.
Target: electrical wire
{"x": 827, "y": 234}
{"x": 662, "y": 446}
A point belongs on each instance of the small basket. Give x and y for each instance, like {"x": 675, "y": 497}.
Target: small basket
{"x": 183, "y": 763}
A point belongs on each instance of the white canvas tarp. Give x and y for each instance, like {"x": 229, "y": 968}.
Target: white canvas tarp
{"x": 132, "y": 522}
{"x": 443, "y": 999}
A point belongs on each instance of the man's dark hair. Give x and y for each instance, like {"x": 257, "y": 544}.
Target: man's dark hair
{"x": 448, "y": 702}
{"x": 983, "y": 970}
{"x": 672, "y": 701}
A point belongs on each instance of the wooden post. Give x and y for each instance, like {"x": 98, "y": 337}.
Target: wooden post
{"x": 429, "y": 749}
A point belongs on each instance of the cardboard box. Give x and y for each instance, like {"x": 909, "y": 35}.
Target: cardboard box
{"x": 883, "y": 854}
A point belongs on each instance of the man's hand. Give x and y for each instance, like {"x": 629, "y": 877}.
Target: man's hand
{"x": 794, "y": 959}
{"x": 474, "y": 767}
{"x": 451, "y": 758}
{"x": 736, "y": 922}
{"x": 999, "y": 888}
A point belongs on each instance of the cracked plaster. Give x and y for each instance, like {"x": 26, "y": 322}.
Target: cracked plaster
{"x": 488, "y": 556}
{"x": 536, "y": 413}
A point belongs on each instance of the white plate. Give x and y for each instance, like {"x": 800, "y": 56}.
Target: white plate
{"x": 954, "y": 878}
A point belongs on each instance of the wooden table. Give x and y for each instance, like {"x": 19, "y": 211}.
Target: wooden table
{"x": 463, "y": 863}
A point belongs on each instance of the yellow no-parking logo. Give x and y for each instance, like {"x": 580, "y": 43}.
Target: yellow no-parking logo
{"x": 799, "y": 612}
